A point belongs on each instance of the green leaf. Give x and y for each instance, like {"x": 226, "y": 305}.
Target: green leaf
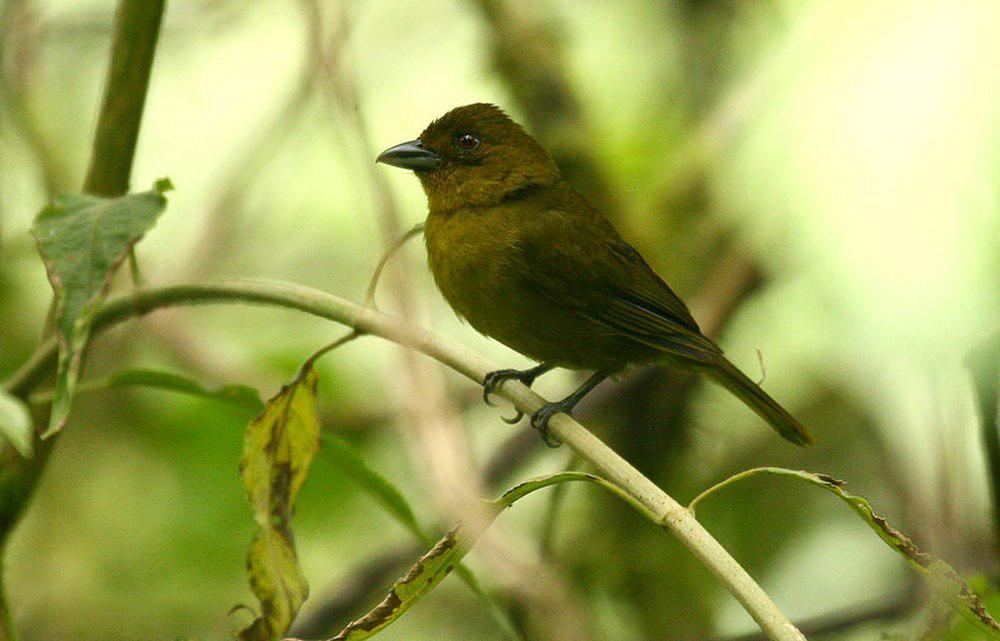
{"x": 347, "y": 458}
{"x": 942, "y": 577}
{"x": 238, "y": 395}
{"x": 278, "y": 449}
{"x": 434, "y": 566}
{"x": 15, "y": 424}
{"x": 83, "y": 240}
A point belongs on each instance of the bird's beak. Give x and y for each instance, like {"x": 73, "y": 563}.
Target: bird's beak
{"x": 410, "y": 155}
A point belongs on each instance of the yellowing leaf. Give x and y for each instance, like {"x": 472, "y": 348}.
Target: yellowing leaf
{"x": 278, "y": 449}
{"x": 83, "y": 240}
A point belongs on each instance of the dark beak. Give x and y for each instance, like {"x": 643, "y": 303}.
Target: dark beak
{"x": 410, "y": 155}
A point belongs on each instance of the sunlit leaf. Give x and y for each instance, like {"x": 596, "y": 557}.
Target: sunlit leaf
{"x": 434, "y": 566}
{"x": 942, "y": 577}
{"x": 15, "y": 424}
{"x": 278, "y": 449}
{"x": 238, "y": 395}
{"x": 83, "y": 240}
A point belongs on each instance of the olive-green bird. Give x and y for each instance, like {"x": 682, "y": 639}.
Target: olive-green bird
{"x": 520, "y": 255}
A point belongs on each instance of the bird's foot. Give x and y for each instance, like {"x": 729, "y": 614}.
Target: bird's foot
{"x": 540, "y": 419}
{"x": 493, "y": 381}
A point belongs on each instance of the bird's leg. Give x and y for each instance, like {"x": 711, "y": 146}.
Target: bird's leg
{"x": 540, "y": 419}
{"x": 526, "y": 376}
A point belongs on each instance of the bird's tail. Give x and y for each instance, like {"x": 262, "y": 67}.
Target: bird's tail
{"x": 727, "y": 375}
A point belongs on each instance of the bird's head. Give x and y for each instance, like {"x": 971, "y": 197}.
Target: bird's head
{"x": 473, "y": 156}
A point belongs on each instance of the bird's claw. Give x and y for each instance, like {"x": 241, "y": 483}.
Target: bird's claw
{"x": 540, "y": 420}
{"x": 493, "y": 380}
{"x": 513, "y": 420}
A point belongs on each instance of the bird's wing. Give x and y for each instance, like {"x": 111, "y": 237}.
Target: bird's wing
{"x": 581, "y": 263}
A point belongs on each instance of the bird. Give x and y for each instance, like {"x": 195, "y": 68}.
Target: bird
{"x": 522, "y": 257}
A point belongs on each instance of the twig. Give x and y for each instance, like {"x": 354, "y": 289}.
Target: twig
{"x": 136, "y": 31}
{"x": 326, "y": 349}
{"x": 668, "y": 513}
{"x": 390, "y": 251}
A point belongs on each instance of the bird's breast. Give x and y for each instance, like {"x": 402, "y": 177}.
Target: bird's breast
{"x": 471, "y": 255}
{"x": 478, "y": 264}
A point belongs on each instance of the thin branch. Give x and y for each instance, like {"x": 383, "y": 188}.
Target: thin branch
{"x": 326, "y": 349}
{"x": 390, "y": 251}
{"x": 664, "y": 509}
{"x": 136, "y": 31}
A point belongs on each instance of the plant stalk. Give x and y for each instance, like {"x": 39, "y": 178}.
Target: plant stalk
{"x": 135, "y": 33}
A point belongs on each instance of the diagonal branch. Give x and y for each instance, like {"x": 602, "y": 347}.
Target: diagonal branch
{"x": 664, "y": 510}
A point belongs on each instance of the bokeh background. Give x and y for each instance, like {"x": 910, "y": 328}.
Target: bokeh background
{"x": 820, "y": 179}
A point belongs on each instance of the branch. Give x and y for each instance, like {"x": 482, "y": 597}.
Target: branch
{"x": 136, "y": 30}
{"x": 664, "y": 510}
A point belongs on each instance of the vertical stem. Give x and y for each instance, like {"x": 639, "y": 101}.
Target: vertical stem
{"x": 136, "y": 31}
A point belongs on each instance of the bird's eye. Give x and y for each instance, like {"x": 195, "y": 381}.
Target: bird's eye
{"x": 466, "y": 141}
